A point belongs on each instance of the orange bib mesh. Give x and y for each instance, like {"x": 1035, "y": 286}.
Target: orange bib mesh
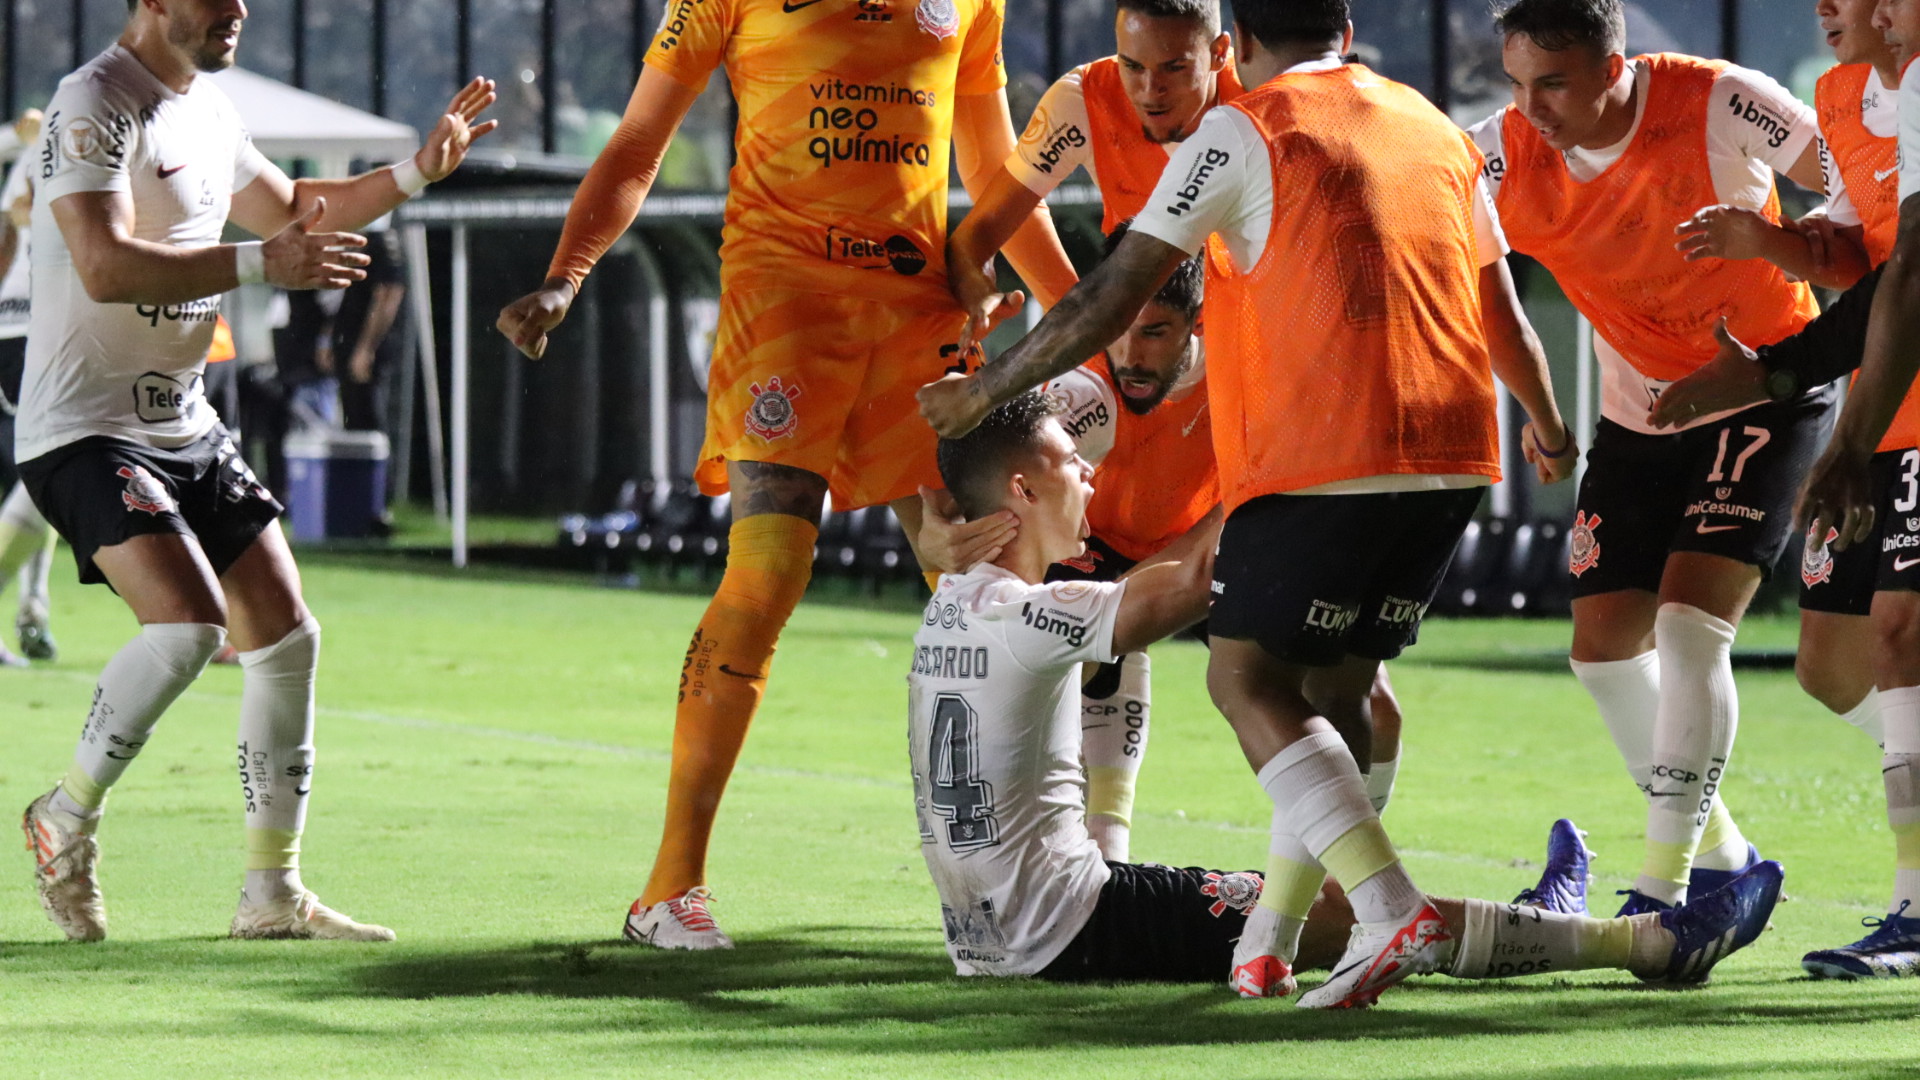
{"x": 1870, "y": 165}
{"x": 1354, "y": 347}
{"x": 1126, "y": 163}
{"x": 1609, "y": 241}
{"x": 1159, "y": 479}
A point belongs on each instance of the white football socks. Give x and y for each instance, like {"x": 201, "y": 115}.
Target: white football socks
{"x": 1900, "y": 773}
{"x": 1627, "y": 693}
{"x": 1380, "y": 777}
{"x": 1113, "y": 741}
{"x": 276, "y": 756}
{"x": 1692, "y": 740}
{"x": 135, "y": 688}
{"x": 1318, "y": 794}
{"x": 23, "y": 535}
{"x": 1866, "y": 717}
{"x": 1504, "y": 941}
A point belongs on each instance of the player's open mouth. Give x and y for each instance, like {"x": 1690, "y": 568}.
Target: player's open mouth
{"x": 230, "y": 37}
{"x": 1833, "y": 37}
{"x": 1139, "y": 388}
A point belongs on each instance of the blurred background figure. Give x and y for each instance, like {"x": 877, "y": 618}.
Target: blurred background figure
{"x": 26, "y": 543}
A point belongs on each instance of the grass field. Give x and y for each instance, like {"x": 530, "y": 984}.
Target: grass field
{"x": 492, "y": 757}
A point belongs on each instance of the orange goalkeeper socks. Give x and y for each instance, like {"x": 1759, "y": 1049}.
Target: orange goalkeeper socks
{"x": 769, "y": 561}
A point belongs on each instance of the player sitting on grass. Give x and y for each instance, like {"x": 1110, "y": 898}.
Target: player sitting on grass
{"x": 994, "y": 736}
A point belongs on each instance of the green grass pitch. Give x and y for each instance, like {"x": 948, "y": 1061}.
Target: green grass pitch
{"x": 492, "y": 758}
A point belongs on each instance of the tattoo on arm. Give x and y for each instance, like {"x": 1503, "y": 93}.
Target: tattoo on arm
{"x": 1087, "y": 319}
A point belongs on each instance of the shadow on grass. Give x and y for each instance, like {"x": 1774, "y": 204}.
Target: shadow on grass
{"x": 890, "y": 994}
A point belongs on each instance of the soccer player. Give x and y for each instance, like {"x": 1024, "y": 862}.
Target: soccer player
{"x": 1855, "y": 104}
{"x": 834, "y": 309}
{"x": 993, "y": 740}
{"x": 1848, "y": 490}
{"x": 1346, "y": 484}
{"x": 142, "y": 164}
{"x": 26, "y": 542}
{"x": 1593, "y": 167}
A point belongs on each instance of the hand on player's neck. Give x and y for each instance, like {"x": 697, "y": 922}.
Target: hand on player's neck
{"x": 1023, "y": 557}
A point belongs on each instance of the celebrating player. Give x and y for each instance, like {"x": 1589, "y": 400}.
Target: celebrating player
{"x": 142, "y": 165}
{"x": 1855, "y": 104}
{"x": 26, "y": 541}
{"x": 993, "y": 739}
{"x": 1594, "y": 165}
{"x": 1346, "y": 486}
{"x": 834, "y": 309}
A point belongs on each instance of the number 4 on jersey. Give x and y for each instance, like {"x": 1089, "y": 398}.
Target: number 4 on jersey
{"x": 956, "y": 791}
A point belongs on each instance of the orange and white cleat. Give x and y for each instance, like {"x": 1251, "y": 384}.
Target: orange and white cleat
{"x": 65, "y": 856}
{"x": 1259, "y": 971}
{"x": 678, "y": 922}
{"x": 1379, "y": 957}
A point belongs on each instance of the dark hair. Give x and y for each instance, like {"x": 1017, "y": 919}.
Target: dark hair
{"x": 1204, "y": 12}
{"x": 1185, "y": 289}
{"x": 1556, "y": 25}
{"x": 1292, "y": 22}
{"x": 976, "y": 465}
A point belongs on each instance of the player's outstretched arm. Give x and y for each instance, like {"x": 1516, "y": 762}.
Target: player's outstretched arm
{"x": 1812, "y": 250}
{"x": 1521, "y": 364}
{"x": 1837, "y": 493}
{"x": 1169, "y": 592}
{"x": 604, "y": 206}
{"x": 117, "y": 268}
{"x": 1090, "y": 316}
{"x": 983, "y": 142}
{"x": 267, "y": 204}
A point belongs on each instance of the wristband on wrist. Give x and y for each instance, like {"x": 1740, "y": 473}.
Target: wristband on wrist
{"x": 408, "y": 177}
{"x": 1541, "y": 448}
{"x": 250, "y": 262}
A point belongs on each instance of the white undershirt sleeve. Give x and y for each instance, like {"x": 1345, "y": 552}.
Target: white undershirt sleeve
{"x": 1057, "y": 140}
{"x": 1751, "y": 115}
{"x": 1206, "y": 184}
{"x": 1489, "y": 238}
{"x": 1490, "y": 136}
{"x": 1087, "y": 410}
{"x": 89, "y": 141}
{"x": 1909, "y": 134}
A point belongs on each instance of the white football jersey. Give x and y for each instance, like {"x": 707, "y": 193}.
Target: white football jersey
{"x": 129, "y": 371}
{"x": 994, "y": 736}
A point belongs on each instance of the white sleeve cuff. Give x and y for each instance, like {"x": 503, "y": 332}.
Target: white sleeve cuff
{"x": 408, "y": 177}
{"x": 250, "y": 262}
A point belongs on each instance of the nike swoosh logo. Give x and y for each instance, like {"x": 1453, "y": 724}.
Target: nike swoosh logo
{"x": 1667, "y": 794}
{"x": 1901, "y": 566}
{"x": 724, "y": 668}
{"x": 302, "y": 792}
{"x": 1880, "y": 177}
{"x": 790, "y": 7}
{"x": 1706, "y": 528}
{"x": 164, "y": 173}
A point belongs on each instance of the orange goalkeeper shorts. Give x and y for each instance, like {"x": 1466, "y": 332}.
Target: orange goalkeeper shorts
{"x": 826, "y": 383}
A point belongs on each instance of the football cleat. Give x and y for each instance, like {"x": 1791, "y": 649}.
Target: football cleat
{"x": 1714, "y": 927}
{"x": 1703, "y": 881}
{"x": 1378, "y": 958}
{"x": 299, "y": 917}
{"x": 678, "y": 922}
{"x": 65, "y": 856}
{"x": 1563, "y": 884}
{"x": 1639, "y": 903}
{"x": 1891, "y": 951}
{"x": 1258, "y": 970}
{"x": 36, "y": 638}
{"x": 9, "y": 658}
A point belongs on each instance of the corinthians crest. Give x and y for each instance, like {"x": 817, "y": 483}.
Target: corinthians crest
{"x": 772, "y": 416}
{"x": 1238, "y": 891}
{"x": 938, "y": 17}
{"x": 1585, "y": 550}
{"x": 1816, "y": 562}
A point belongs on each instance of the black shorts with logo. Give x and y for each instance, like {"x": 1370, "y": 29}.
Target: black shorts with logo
{"x": 13, "y": 362}
{"x": 1316, "y": 578}
{"x": 1726, "y": 489}
{"x": 101, "y": 491}
{"x": 1160, "y": 924}
{"x": 1843, "y": 582}
{"x": 1897, "y": 523}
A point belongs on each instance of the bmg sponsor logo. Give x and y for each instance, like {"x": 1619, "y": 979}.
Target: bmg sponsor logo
{"x": 1197, "y": 179}
{"x": 1055, "y": 622}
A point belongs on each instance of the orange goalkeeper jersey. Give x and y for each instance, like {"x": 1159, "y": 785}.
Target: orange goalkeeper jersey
{"x": 845, "y": 132}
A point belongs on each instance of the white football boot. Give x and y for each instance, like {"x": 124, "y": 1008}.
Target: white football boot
{"x": 678, "y": 922}
{"x": 65, "y": 856}
{"x": 1259, "y": 971}
{"x": 300, "y": 916}
{"x": 1380, "y": 956}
